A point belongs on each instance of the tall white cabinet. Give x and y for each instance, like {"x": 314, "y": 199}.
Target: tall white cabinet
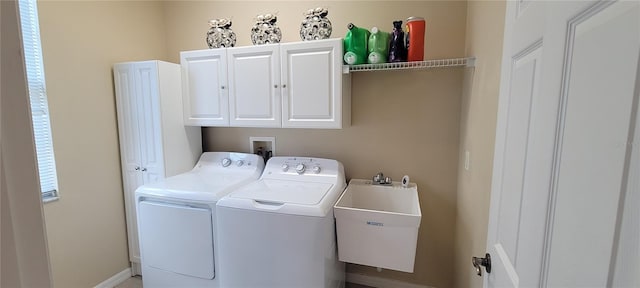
{"x": 154, "y": 143}
{"x": 290, "y": 85}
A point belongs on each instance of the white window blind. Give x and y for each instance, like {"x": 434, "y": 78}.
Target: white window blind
{"x": 38, "y": 97}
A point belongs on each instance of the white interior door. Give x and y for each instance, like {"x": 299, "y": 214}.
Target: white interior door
{"x": 565, "y": 159}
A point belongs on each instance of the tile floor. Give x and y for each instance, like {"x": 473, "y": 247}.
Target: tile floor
{"x": 136, "y": 282}
{"x": 133, "y": 282}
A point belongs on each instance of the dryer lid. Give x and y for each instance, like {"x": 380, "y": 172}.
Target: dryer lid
{"x": 196, "y": 186}
{"x": 284, "y": 191}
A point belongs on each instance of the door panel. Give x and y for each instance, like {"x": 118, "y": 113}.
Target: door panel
{"x": 127, "y": 116}
{"x": 308, "y": 91}
{"x": 204, "y": 82}
{"x": 254, "y": 86}
{"x": 627, "y": 262}
{"x": 313, "y": 79}
{"x": 515, "y": 210}
{"x": 132, "y": 181}
{"x": 598, "y": 119}
{"x": 150, "y": 123}
{"x": 128, "y": 129}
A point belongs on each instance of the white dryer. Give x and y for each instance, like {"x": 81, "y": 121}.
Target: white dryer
{"x": 279, "y": 231}
{"x": 176, "y": 219}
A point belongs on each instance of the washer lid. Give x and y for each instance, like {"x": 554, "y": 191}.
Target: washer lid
{"x": 284, "y": 191}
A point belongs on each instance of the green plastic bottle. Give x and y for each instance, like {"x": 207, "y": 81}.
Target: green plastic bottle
{"x": 378, "y": 47}
{"x": 355, "y": 45}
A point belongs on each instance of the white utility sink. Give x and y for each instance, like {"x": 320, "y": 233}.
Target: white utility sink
{"x": 378, "y": 225}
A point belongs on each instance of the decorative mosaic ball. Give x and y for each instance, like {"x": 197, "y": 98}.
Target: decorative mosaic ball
{"x": 316, "y": 25}
{"x": 265, "y": 31}
{"x": 220, "y": 34}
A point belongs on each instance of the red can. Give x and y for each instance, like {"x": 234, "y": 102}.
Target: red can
{"x": 415, "y": 38}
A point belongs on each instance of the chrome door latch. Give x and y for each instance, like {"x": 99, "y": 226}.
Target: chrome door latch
{"x": 478, "y": 262}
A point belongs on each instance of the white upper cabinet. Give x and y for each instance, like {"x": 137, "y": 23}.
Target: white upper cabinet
{"x": 205, "y": 96}
{"x": 254, "y": 82}
{"x": 292, "y": 85}
{"x": 312, "y": 84}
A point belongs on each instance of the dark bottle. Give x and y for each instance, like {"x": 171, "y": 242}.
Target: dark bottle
{"x": 397, "y": 50}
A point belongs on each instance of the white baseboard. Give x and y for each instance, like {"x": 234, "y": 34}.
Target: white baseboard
{"x": 117, "y": 279}
{"x": 379, "y": 282}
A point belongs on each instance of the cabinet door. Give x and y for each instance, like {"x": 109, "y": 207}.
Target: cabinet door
{"x": 150, "y": 125}
{"x": 128, "y": 130}
{"x": 312, "y": 84}
{"x": 254, "y": 86}
{"x": 204, "y": 83}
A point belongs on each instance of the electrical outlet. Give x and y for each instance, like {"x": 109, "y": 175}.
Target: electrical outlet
{"x": 466, "y": 160}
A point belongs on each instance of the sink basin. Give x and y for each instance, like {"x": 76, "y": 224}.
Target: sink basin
{"x": 378, "y": 225}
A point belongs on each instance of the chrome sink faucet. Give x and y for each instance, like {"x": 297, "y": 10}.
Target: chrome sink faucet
{"x": 379, "y": 179}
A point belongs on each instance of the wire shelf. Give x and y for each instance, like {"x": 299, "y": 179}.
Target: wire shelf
{"x": 427, "y": 64}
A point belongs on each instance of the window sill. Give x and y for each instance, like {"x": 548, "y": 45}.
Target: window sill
{"x": 50, "y": 199}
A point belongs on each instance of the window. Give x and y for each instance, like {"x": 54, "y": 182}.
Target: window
{"x": 38, "y": 97}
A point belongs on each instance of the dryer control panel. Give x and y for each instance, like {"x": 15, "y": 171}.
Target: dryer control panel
{"x": 230, "y": 161}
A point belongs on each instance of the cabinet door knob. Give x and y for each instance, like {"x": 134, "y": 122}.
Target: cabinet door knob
{"x": 284, "y": 85}
{"x": 222, "y": 87}
{"x": 144, "y": 169}
{"x": 275, "y": 86}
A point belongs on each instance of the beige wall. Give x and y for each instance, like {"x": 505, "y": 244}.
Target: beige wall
{"x": 420, "y": 113}
{"x": 186, "y": 21}
{"x": 403, "y": 122}
{"x": 485, "y": 24}
{"x": 81, "y": 41}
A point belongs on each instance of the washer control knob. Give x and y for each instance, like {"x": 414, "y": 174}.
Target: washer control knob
{"x": 300, "y": 168}
{"x": 226, "y": 162}
{"x": 285, "y": 167}
{"x": 239, "y": 163}
{"x": 316, "y": 169}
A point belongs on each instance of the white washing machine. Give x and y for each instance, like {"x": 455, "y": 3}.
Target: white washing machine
{"x": 176, "y": 220}
{"x": 279, "y": 231}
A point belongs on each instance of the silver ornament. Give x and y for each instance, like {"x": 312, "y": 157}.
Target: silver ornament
{"x": 220, "y": 34}
{"x": 265, "y": 31}
{"x": 316, "y": 25}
